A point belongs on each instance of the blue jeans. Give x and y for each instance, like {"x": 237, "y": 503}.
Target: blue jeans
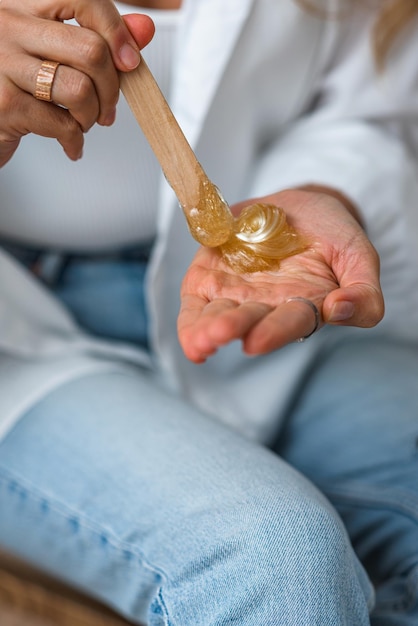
{"x": 131, "y": 495}
{"x": 354, "y": 433}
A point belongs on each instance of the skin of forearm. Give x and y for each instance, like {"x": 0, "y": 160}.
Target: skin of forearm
{"x": 338, "y": 195}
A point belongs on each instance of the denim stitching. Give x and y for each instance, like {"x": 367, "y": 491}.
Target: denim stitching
{"x": 159, "y": 607}
{"x": 76, "y": 519}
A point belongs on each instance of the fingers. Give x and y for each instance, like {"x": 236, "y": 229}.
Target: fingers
{"x": 293, "y": 320}
{"x": 99, "y": 16}
{"x": 71, "y": 88}
{"x": 86, "y": 83}
{"x": 343, "y": 244}
{"x": 30, "y": 116}
{"x": 203, "y": 327}
{"x": 21, "y": 113}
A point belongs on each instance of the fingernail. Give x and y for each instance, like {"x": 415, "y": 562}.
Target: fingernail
{"x": 341, "y": 311}
{"x": 129, "y": 56}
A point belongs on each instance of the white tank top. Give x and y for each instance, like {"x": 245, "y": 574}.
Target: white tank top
{"x": 107, "y": 199}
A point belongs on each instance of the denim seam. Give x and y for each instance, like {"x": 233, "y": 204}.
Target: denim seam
{"x": 163, "y": 607}
{"x": 84, "y": 522}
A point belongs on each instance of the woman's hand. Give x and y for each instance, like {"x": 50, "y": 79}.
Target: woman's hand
{"x": 339, "y": 273}
{"x": 86, "y": 85}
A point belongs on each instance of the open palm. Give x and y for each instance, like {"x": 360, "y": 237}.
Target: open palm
{"x": 338, "y": 272}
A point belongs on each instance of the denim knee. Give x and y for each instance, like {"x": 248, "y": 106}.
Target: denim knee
{"x": 285, "y": 561}
{"x": 305, "y": 549}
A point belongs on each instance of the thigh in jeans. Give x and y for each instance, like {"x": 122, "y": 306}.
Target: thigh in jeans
{"x": 169, "y": 517}
{"x": 354, "y": 432}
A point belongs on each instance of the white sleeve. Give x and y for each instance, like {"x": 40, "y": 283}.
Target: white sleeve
{"x": 361, "y": 135}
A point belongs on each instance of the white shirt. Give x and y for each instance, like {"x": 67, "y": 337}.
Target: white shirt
{"x": 107, "y": 199}
{"x": 269, "y": 96}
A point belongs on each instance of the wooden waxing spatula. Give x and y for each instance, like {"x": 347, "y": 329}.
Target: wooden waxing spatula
{"x": 208, "y": 215}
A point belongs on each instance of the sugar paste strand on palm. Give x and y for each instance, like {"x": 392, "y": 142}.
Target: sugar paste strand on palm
{"x": 255, "y": 241}
{"x": 262, "y": 238}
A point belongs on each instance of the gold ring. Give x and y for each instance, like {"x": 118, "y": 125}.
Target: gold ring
{"x": 45, "y": 79}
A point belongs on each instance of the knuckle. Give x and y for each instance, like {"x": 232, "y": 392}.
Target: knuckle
{"x": 95, "y": 50}
{"x": 79, "y": 89}
{"x": 375, "y": 311}
{"x": 69, "y": 130}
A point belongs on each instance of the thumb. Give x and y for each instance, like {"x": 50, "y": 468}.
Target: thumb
{"x": 124, "y": 45}
{"x": 359, "y": 304}
{"x": 141, "y": 27}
